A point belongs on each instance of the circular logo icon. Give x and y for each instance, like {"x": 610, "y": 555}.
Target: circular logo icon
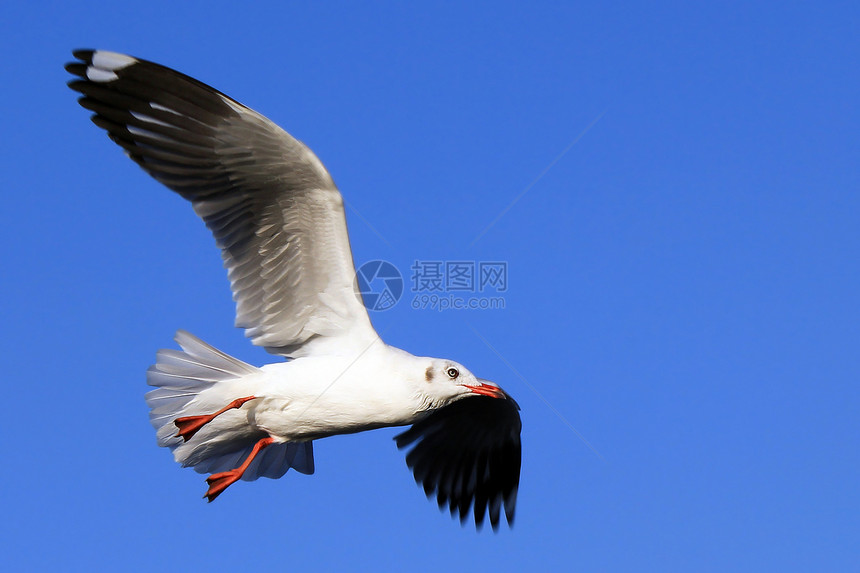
{"x": 379, "y": 283}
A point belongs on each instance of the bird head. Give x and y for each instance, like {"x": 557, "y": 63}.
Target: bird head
{"x": 446, "y": 381}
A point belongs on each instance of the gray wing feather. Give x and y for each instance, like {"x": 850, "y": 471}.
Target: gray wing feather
{"x": 272, "y": 207}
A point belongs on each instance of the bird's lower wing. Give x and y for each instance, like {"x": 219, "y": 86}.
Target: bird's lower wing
{"x": 469, "y": 455}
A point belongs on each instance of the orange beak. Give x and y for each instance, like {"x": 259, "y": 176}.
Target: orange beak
{"x": 486, "y": 390}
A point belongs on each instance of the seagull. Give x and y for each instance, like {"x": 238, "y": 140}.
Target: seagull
{"x": 279, "y": 221}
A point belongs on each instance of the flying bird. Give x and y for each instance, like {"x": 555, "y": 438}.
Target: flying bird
{"x": 279, "y": 221}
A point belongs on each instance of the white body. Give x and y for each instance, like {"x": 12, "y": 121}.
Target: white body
{"x": 294, "y": 402}
{"x": 316, "y": 397}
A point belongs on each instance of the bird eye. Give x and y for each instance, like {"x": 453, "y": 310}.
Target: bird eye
{"x": 453, "y": 373}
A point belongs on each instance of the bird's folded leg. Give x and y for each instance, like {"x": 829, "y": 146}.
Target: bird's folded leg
{"x": 220, "y": 481}
{"x": 190, "y": 425}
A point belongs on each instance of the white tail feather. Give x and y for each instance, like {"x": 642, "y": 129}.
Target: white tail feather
{"x": 180, "y": 378}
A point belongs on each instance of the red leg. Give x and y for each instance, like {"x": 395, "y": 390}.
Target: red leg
{"x": 220, "y": 481}
{"x": 190, "y": 425}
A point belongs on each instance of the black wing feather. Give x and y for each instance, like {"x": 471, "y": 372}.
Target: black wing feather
{"x": 469, "y": 454}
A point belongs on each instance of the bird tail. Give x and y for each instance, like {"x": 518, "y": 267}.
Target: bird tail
{"x": 180, "y": 378}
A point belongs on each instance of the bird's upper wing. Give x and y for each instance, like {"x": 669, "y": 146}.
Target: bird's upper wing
{"x": 271, "y": 205}
{"x": 469, "y": 452}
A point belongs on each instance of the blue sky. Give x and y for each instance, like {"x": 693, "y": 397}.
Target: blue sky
{"x": 684, "y": 281}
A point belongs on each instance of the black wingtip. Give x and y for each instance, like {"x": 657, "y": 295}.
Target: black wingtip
{"x": 84, "y": 55}
{"x": 76, "y": 69}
